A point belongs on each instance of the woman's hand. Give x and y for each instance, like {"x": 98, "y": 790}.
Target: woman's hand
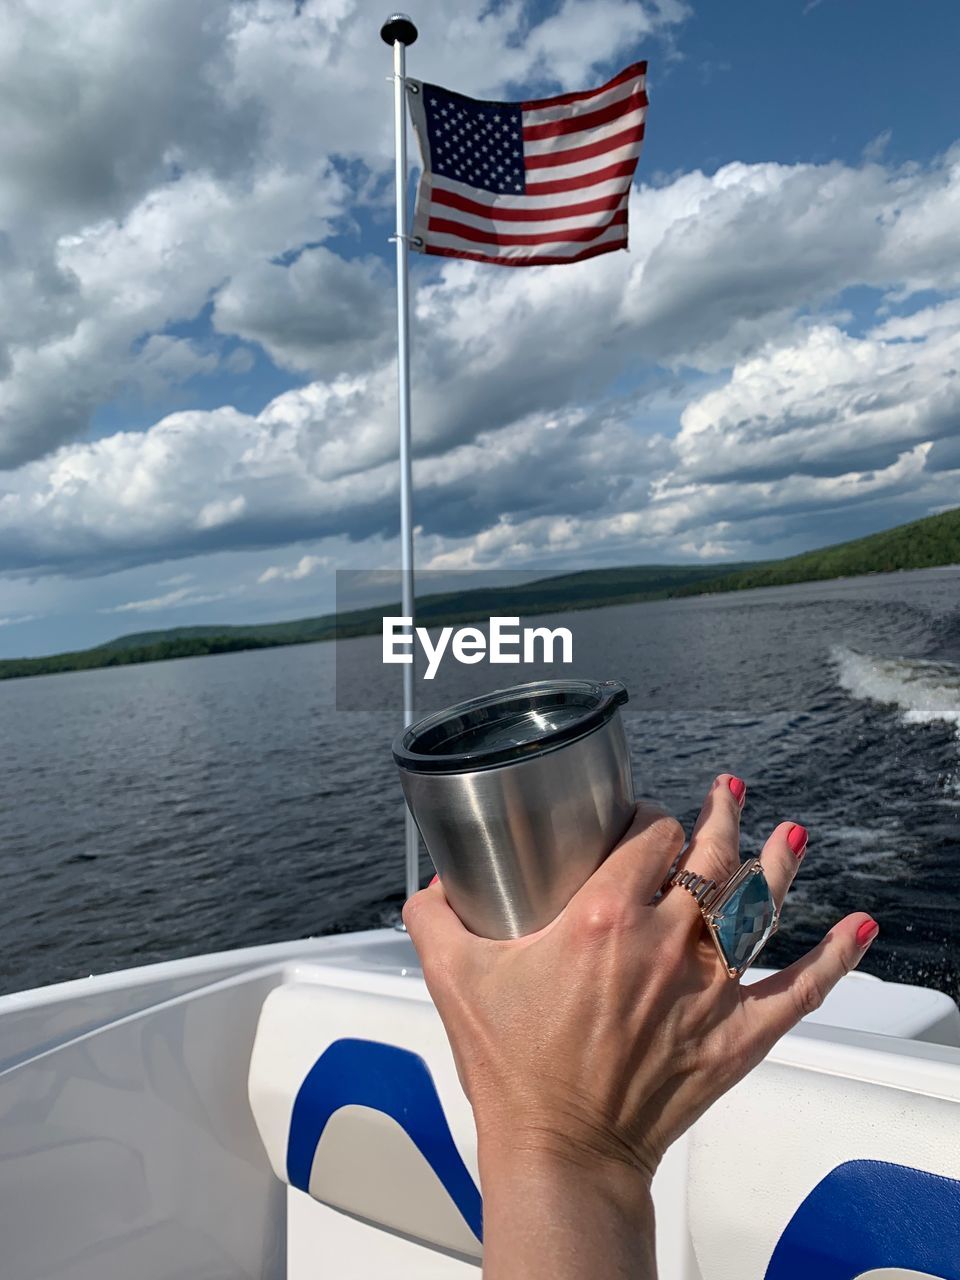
{"x": 587, "y": 1048}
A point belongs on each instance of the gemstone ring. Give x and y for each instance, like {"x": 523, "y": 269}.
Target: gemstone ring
{"x": 741, "y": 915}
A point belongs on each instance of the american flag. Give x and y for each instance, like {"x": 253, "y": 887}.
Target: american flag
{"x": 523, "y": 184}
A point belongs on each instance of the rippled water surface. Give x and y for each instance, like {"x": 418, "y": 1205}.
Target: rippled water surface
{"x": 157, "y": 811}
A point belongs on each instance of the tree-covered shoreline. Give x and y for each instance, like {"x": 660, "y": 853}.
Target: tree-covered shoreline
{"x": 928, "y": 543}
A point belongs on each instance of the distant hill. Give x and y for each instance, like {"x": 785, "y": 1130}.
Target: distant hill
{"x": 588, "y": 590}
{"x": 922, "y": 544}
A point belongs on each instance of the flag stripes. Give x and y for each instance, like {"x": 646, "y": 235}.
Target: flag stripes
{"x": 554, "y": 186}
{"x": 489, "y": 235}
{"x": 570, "y": 155}
{"x": 505, "y": 213}
{"x": 547, "y": 255}
{"x": 577, "y": 124}
{"x": 582, "y": 95}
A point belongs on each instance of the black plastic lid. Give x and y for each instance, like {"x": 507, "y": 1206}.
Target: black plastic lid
{"x": 507, "y": 725}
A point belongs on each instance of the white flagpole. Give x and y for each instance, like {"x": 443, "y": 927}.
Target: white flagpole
{"x": 399, "y": 31}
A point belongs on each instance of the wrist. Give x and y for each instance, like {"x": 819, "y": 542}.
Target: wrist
{"x": 551, "y": 1162}
{"x": 549, "y": 1212}
{"x": 573, "y": 1143}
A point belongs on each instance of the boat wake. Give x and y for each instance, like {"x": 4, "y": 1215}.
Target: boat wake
{"x": 924, "y": 692}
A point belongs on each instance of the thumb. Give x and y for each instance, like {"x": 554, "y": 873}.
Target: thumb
{"x": 434, "y": 927}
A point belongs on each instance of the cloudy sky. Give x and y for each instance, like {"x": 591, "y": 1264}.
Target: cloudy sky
{"x": 197, "y": 387}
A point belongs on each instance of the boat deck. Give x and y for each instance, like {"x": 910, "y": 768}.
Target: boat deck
{"x": 146, "y": 1124}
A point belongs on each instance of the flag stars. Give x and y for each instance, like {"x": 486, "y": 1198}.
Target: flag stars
{"x": 476, "y": 143}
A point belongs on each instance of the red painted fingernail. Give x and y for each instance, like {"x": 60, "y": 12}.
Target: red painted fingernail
{"x": 433, "y": 881}
{"x": 867, "y": 932}
{"x": 797, "y": 838}
{"x": 739, "y": 789}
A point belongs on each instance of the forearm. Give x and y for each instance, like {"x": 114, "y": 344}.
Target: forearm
{"x": 550, "y": 1219}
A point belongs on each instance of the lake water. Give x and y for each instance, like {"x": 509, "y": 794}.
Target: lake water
{"x": 157, "y": 811}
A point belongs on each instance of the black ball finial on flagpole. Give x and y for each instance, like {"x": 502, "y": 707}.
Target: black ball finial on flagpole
{"x": 398, "y": 27}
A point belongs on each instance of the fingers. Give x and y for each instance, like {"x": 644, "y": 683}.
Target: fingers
{"x": 638, "y": 864}
{"x": 781, "y": 858}
{"x": 714, "y": 848}
{"x": 776, "y": 1004}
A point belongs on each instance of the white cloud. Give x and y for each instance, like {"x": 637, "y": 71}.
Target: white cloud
{"x": 721, "y": 267}
{"x": 877, "y": 146}
{"x": 509, "y": 451}
{"x": 320, "y": 314}
{"x": 827, "y": 400}
{"x": 12, "y": 622}
{"x": 157, "y": 266}
{"x": 708, "y": 550}
{"x": 725, "y": 319}
{"x": 221, "y": 511}
{"x": 171, "y": 600}
{"x": 659, "y": 529}
{"x": 155, "y": 156}
{"x": 304, "y": 567}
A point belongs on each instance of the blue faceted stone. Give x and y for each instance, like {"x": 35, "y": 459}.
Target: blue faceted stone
{"x": 746, "y": 920}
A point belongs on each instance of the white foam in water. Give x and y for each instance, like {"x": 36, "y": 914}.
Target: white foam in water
{"x": 923, "y": 691}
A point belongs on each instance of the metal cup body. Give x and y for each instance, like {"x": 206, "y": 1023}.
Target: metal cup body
{"x": 512, "y": 844}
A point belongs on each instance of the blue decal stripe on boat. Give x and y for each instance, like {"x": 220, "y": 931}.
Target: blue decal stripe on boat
{"x": 868, "y": 1214}
{"x": 367, "y": 1073}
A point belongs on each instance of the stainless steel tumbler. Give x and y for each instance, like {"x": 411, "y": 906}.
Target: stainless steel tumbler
{"x": 519, "y": 796}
